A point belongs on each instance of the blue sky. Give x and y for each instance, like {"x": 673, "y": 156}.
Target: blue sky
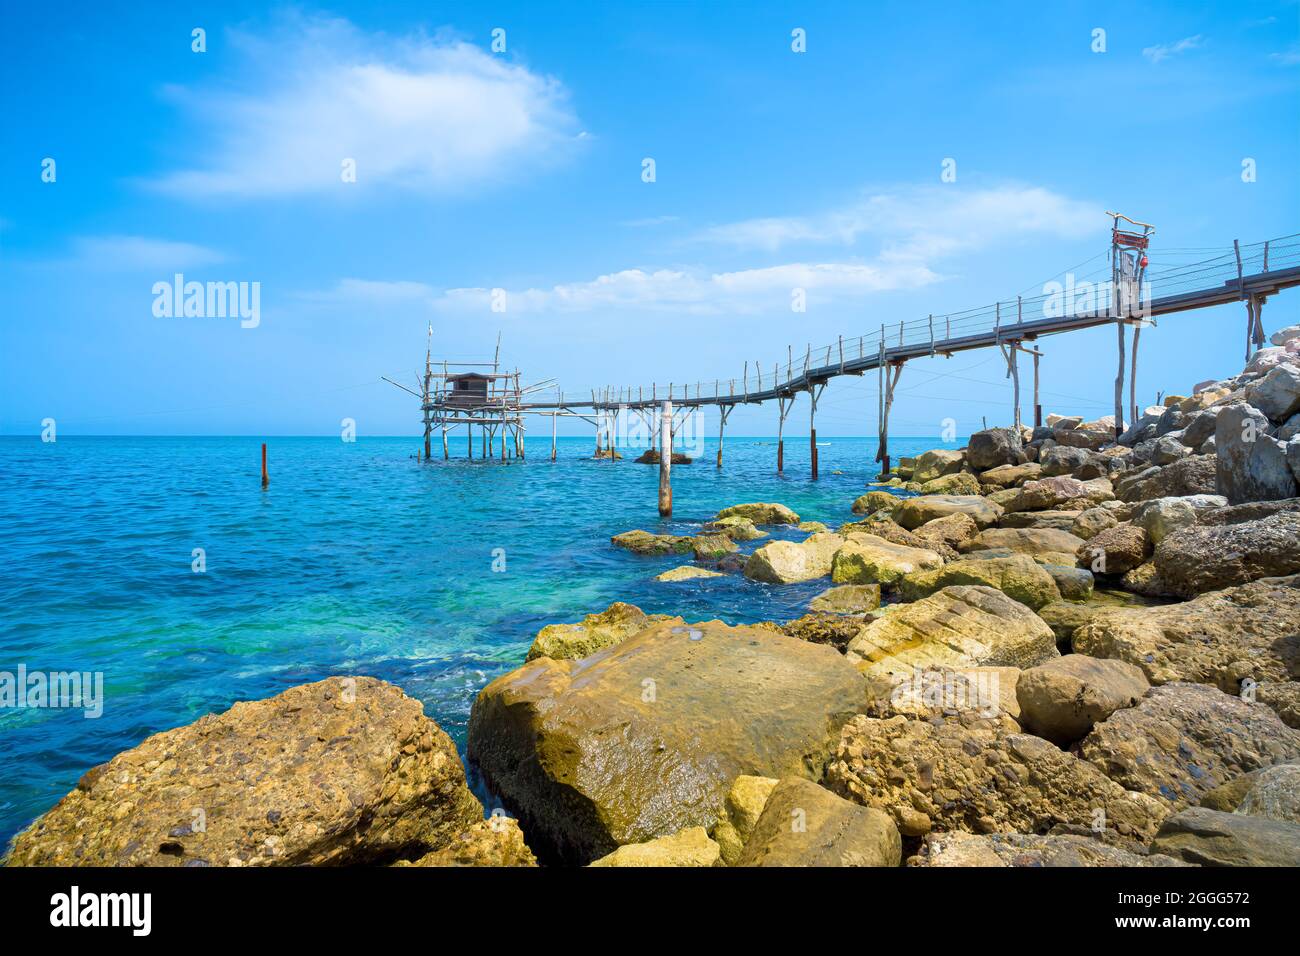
{"x": 522, "y": 170}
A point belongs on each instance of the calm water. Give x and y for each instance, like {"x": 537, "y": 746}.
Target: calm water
{"x": 356, "y": 560}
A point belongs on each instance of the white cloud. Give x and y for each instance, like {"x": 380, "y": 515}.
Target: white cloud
{"x": 1163, "y": 51}
{"x": 920, "y": 222}
{"x": 124, "y": 253}
{"x": 424, "y": 113}
{"x": 1288, "y": 58}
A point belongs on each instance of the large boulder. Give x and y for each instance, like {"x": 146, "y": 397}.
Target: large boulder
{"x": 1221, "y": 638}
{"x": 1193, "y": 475}
{"x": 938, "y": 461}
{"x": 713, "y": 546}
{"x": 1008, "y": 476}
{"x": 1183, "y": 740}
{"x": 994, "y": 446}
{"x": 874, "y": 501}
{"x": 690, "y": 847}
{"x": 736, "y": 528}
{"x": 951, "y": 531}
{"x": 847, "y": 599}
{"x": 643, "y": 739}
{"x": 824, "y": 627}
{"x": 1063, "y": 460}
{"x": 867, "y": 559}
{"x": 1207, "y": 837}
{"x": 616, "y": 623}
{"x": 1063, "y": 698}
{"x": 1277, "y": 394}
{"x": 1035, "y": 542}
{"x": 1160, "y": 517}
{"x": 1199, "y": 559}
{"x": 1061, "y": 492}
{"x": 1029, "y": 849}
{"x": 1250, "y": 464}
{"x": 344, "y": 771}
{"x": 803, "y": 824}
{"x": 942, "y": 691}
{"x": 687, "y": 572}
{"x": 1116, "y": 550}
{"x": 958, "y": 483}
{"x": 760, "y": 512}
{"x": 1090, "y": 522}
{"x": 958, "y": 627}
{"x": 914, "y": 512}
{"x": 1018, "y": 576}
{"x": 788, "y": 562}
{"x": 979, "y": 775}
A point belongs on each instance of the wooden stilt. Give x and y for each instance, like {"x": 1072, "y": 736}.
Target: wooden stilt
{"x": 265, "y": 479}
{"x": 814, "y": 392}
{"x": 889, "y": 382}
{"x": 1038, "y": 409}
{"x": 1119, "y": 383}
{"x": 723, "y": 412}
{"x": 666, "y": 460}
{"x": 446, "y": 449}
{"x": 1133, "y": 375}
{"x": 784, "y": 405}
{"x": 554, "y": 419}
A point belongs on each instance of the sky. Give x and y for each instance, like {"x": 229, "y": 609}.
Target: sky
{"x": 374, "y": 168}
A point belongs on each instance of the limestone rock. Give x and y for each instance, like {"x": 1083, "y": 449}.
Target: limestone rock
{"x": 1160, "y": 517}
{"x": 1183, "y": 740}
{"x": 803, "y": 824}
{"x": 943, "y": 691}
{"x": 690, "y": 847}
{"x": 1116, "y": 550}
{"x": 494, "y": 842}
{"x": 1199, "y": 559}
{"x": 616, "y": 623}
{"x": 958, "y": 627}
{"x": 821, "y": 627}
{"x": 1019, "y": 577}
{"x": 994, "y": 446}
{"x": 1030, "y": 541}
{"x": 1250, "y": 465}
{"x": 949, "y": 532}
{"x": 812, "y": 527}
{"x": 644, "y": 542}
{"x": 867, "y": 559}
{"x": 914, "y": 512}
{"x": 1062, "y": 699}
{"x": 847, "y": 599}
{"x": 687, "y": 572}
{"x": 1277, "y": 394}
{"x": 1193, "y": 475}
{"x": 936, "y": 462}
{"x": 1027, "y": 849}
{"x": 744, "y": 805}
{"x": 736, "y": 528}
{"x": 1211, "y": 838}
{"x": 874, "y": 501}
{"x": 342, "y": 771}
{"x": 713, "y": 546}
{"x": 958, "y": 483}
{"x": 1275, "y": 794}
{"x": 760, "y": 512}
{"x": 643, "y": 739}
{"x": 1074, "y": 584}
{"x": 1009, "y": 476}
{"x": 1220, "y": 638}
{"x": 787, "y": 562}
{"x": 1091, "y": 522}
{"x": 978, "y": 775}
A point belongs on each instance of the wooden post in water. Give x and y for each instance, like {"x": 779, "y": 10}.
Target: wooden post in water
{"x": 446, "y": 449}
{"x": 812, "y": 427}
{"x": 723, "y": 412}
{"x": 265, "y": 479}
{"x": 554, "y": 418}
{"x": 783, "y": 410}
{"x": 1038, "y": 409}
{"x": 666, "y": 460}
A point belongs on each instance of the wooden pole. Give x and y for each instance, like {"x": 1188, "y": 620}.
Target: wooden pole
{"x": 1133, "y": 376}
{"x": 1038, "y": 409}
{"x": 723, "y": 412}
{"x": 666, "y": 460}
{"x": 780, "y": 431}
{"x": 554, "y": 418}
{"x": 265, "y": 480}
{"x": 1119, "y": 383}
{"x": 1015, "y": 381}
{"x": 812, "y": 428}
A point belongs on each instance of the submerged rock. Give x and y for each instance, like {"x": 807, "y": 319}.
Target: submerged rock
{"x": 688, "y": 572}
{"x": 644, "y": 542}
{"x": 643, "y": 739}
{"x": 343, "y": 771}
{"x": 760, "y": 512}
{"x": 736, "y": 528}
{"x": 803, "y": 824}
{"x": 713, "y": 546}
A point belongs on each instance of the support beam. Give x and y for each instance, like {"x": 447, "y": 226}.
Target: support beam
{"x": 554, "y": 420}
{"x": 783, "y": 405}
{"x": 888, "y": 383}
{"x": 1119, "y": 383}
{"x": 1133, "y": 375}
{"x": 814, "y": 393}
{"x": 723, "y": 412}
{"x": 666, "y": 460}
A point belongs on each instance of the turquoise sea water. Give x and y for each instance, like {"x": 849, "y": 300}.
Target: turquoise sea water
{"x": 355, "y": 560}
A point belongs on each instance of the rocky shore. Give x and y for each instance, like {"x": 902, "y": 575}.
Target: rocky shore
{"x": 1055, "y": 646}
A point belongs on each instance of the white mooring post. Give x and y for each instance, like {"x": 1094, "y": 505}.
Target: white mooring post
{"x": 666, "y": 460}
